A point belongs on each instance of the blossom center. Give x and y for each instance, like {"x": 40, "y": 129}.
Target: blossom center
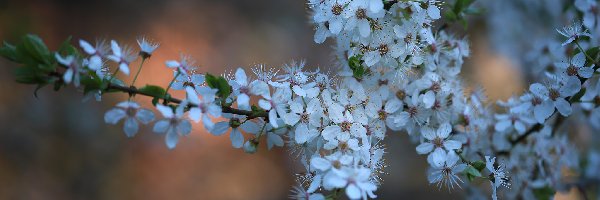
{"x": 304, "y": 118}
{"x": 554, "y": 94}
{"x": 383, "y": 49}
{"x": 382, "y": 114}
{"x": 435, "y": 87}
{"x": 401, "y": 94}
{"x": 438, "y": 142}
{"x": 345, "y": 126}
{"x": 412, "y": 111}
{"x": 337, "y": 9}
{"x": 130, "y": 111}
{"x": 361, "y": 13}
{"x": 336, "y": 164}
{"x": 572, "y": 71}
{"x": 536, "y": 101}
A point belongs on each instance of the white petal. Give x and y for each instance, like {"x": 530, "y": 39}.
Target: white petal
{"x": 335, "y": 25}
{"x": 438, "y": 157}
{"x": 452, "y": 144}
{"x": 237, "y": 139}
{"x": 130, "y": 127}
{"x": 144, "y": 115}
{"x": 95, "y": 63}
{"x": 444, "y": 130}
{"x": 242, "y": 101}
{"x": 433, "y": 12}
{"x": 68, "y": 76}
{"x": 184, "y": 127}
{"x": 502, "y": 125}
{"x": 364, "y": 28}
{"x": 375, "y": 5}
{"x": 250, "y": 127}
{"x": 161, "y": 126}
{"x": 520, "y": 127}
{"x": 353, "y": 191}
{"x": 571, "y": 87}
{"x": 191, "y": 95}
{"x": 320, "y": 163}
{"x": 124, "y": 68}
{"x": 586, "y": 72}
{"x": 115, "y": 48}
{"x": 274, "y": 139}
{"x": 298, "y": 90}
{"x": 171, "y": 139}
{"x": 301, "y": 134}
{"x": 392, "y": 105}
{"x": 166, "y": 111}
{"x": 543, "y": 111}
{"x": 220, "y": 128}
{"x": 240, "y": 77}
{"x": 330, "y": 132}
{"x": 273, "y": 118}
{"x": 424, "y": 148}
{"x": 87, "y": 47}
{"x": 428, "y": 133}
{"x": 207, "y": 122}
{"x": 195, "y": 114}
{"x": 264, "y": 104}
{"x": 172, "y": 64}
{"x": 114, "y": 115}
{"x": 538, "y": 89}
{"x": 578, "y": 60}
{"x": 563, "y": 106}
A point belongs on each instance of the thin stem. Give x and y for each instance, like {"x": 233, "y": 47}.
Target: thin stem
{"x": 135, "y": 91}
{"x": 112, "y": 76}
{"x": 138, "y": 71}
{"x": 172, "y": 81}
{"x": 583, "y": 51}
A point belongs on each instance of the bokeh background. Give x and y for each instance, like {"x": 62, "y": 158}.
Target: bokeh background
{"x": 56, "y": 146}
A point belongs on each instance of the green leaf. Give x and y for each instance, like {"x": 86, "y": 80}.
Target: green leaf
{"x": 36, "y": 48}
{"x": 472, "y": 173}
{"x": 153, "y": 90}
{"x": 219, "y": 83}
{"x": 91, "y": 83}
{"x": 9, "y": 52}
{"x": 577, "y": 96}
{"x": 450, "y": 15}
{"x": 592, "y": 52}
{"x": 355, "y": 63}
{"x": 461, "y": 5}
{"x": 29, "y": 75}
{"x": 67, "y": 49}
{"x": 479, "y": 165}
{"x": 544, "y": 193}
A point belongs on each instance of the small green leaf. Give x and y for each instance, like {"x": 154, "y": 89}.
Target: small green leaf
{"x": 9, "y": 52}
{"x": 29, "y": 75}
{"x": 36, "y": 48}
{"x": 219, "y": 83}
{"x": 153, "y": 90}
{"x": 68, "y": 49}
{"x": 577, "y": 96}
{"x": 479, "y": 165}
{"x": 450, "y": 15}
{"x": 355, "y": 64}
{"x": 544, "y": 193}
{"x": 472, "y": 173}
{"x": 91, "y": 83}
{"x": 592, "y": 52}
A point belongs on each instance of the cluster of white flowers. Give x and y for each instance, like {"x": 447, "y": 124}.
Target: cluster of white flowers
{"x": 395, "y": 73}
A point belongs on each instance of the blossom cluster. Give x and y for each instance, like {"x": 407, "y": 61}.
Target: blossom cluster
{"x": 395, "y": 74}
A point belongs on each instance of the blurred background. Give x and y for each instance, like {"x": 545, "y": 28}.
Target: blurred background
{"x": 56, "y": 146}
